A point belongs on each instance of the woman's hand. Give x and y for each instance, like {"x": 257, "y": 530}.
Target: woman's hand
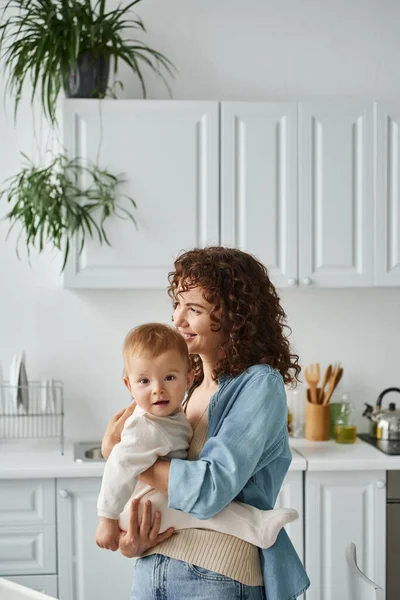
{"x": 141, "y": 536}
{"x": 114, "y": 429}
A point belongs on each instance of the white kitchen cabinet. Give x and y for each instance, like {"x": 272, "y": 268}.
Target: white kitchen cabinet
{"x": 27, "y": 550}
{"x": 307, "y": 188}
{"x": 84, "y": 570}
{"x": 168, "y": 153}
{"x": 27, "y": 527}
{"x": 259, "y": 195}
{"x": 336, "y": 194}
{"x": 343, "y": 507}
{"x": 291, "y": 183}
{"x": 27, "y": 502}
{"x": 297, "y": 186}
{"x": 387, "y": 215}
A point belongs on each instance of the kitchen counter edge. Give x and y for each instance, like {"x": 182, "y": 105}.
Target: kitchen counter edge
{"x": 34, "y": 459}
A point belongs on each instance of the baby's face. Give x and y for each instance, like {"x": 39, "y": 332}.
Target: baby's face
{"x": 158, "y": 385}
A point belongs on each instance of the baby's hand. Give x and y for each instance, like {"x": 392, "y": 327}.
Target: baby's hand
{"x": 107, "y": 534}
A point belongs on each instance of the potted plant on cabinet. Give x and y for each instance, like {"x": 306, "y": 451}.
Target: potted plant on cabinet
{"x": 70, "y": 44}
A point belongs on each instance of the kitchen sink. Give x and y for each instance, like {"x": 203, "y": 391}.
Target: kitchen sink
{"x": 88, "y": 452}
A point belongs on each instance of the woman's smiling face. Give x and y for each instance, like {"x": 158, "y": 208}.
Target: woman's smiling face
{"x": 192, "y": 319}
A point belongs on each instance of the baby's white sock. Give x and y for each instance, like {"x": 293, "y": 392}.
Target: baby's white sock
{"x": 273, "y": 522}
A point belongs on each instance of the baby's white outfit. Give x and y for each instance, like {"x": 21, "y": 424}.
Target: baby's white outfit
{"x": 144, "y": 439}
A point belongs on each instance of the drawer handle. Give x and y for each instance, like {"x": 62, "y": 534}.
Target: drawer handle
{"x": 63, "y": 493}
{"x": 380, "y": 484}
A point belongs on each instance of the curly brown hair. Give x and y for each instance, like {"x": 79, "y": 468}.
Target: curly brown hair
{"x": 246, "y": 308}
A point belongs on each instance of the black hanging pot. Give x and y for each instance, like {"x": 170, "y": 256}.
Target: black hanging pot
{"x": 89, "y": 78}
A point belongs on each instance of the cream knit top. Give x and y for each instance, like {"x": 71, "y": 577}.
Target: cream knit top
{"x": 224, "y": 554}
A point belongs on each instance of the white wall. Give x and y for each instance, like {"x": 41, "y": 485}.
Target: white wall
{"x": 229, "y": 50}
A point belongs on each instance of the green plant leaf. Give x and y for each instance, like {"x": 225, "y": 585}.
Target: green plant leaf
{"x": 41, "y": 39}
{"x": 53, "y": 207}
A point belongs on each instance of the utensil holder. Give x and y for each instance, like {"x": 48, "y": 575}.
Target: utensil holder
{"x": 317, "y": 421}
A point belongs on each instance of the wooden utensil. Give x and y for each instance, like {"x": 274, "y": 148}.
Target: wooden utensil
{"x": 335, "y": 378}
{"x": 327, "y": 376}
{"x": 312, "y": 374}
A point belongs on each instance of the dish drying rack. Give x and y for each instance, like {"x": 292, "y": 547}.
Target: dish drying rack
{"x": 32, "y": 411}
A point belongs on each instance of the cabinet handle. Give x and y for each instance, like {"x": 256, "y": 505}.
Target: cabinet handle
{"x": 381, "y": 484}
{"x": 292, "y": 282}
{"x": 63, "y": 493}
{"x": 307, "y": 281}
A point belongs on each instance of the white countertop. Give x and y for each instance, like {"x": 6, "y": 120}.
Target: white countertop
{"x": 42, "y": 458}
{"x": 27, "y": 459}
{"x": 298, "y": 463}
{"x": 21, "y": 459}
{"x": 329, "y": 456}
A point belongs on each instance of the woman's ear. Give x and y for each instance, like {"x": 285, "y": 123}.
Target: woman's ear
{"x": 190, "y": 379}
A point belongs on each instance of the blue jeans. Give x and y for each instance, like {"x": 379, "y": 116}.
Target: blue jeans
{"x": 158, "y": 577}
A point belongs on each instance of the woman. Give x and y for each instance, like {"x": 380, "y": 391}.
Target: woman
{"x": 228, "y": 311}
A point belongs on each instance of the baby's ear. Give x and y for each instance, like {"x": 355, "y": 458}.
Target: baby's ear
{"x": 127, "y": 383}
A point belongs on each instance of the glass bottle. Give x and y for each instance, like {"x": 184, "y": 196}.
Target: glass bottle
{"x": 296, "y": 408}
{"x": 345, "y": 430}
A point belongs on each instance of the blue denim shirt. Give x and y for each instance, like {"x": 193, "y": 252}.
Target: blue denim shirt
{"x": 245, "y": 458}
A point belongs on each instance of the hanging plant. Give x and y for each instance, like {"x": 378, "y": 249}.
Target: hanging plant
{"x": 53, "y": 205}
{"x": 70, "y": 44}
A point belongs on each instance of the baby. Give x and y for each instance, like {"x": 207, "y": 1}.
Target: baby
{"x": 158, "y": 373}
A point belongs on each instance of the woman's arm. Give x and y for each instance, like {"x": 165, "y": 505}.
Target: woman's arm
{"x": 157, "y": 476}
{"x": 253, "y": 433}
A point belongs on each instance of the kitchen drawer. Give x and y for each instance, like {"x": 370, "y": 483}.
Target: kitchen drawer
{"x": 46, "y": 584}
{"x": 27, "y": 502}
{"x": 28, "y": 550}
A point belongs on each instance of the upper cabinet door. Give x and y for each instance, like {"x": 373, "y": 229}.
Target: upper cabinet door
{"x": 168, "y": 154}
{"x": 387, "y": 221}
{"x": 336, "y": 183}
{"x": 259, "y": 184}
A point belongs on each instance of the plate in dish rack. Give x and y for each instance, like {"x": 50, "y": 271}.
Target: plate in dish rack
{"x": 47, "y": 403}
{"x": 19, "y": 385}
{"x": 14, "y": 385}
{"x": 23, "y": 390}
